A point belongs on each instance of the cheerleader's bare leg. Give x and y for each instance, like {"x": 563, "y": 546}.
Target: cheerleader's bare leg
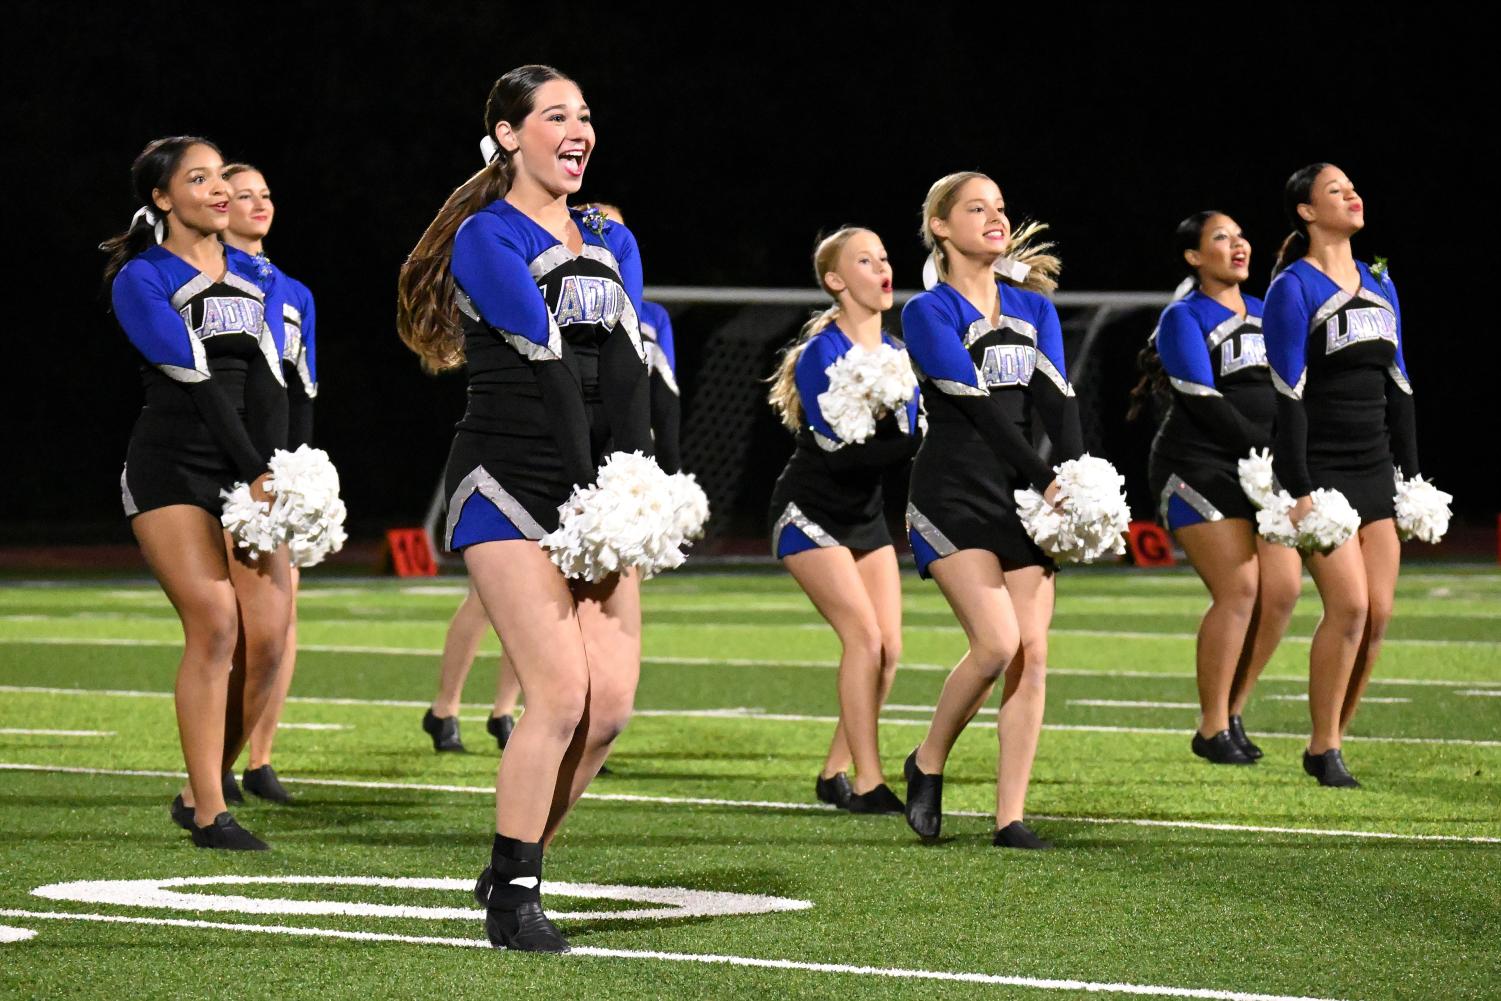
{"x": 543, "y": 636}
{"x": 1382, "y": 555}
{"x": 1223, "y": 553}
{"x": 833, "y": 582}
{"x": 1341, "y": 579}
{"x": 1280, "y": 578}
{"x": 183, "y": 545}
{"x": 466, "y": 630}
{"x": 263, "y": 588}
{"x": 609, "y": 616}
{"x": 1024, "y": 692}
{"x": 507, "y": 688}
{"x": 975, "y": 587}
{"x": 264, "y": 734}
{"x": 883, "y": 582}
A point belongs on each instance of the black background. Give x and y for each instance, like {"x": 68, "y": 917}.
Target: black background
{"x": 731, "y": 137}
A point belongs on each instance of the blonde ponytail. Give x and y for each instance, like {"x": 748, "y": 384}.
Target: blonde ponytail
{"x": 783, "y": 396}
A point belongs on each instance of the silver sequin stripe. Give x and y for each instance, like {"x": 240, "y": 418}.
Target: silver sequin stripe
{"x": 793, "y": 515}
{"x": 484, "y": 483}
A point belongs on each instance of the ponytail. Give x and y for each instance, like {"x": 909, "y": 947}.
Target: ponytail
{"x": 1042, "y": 266}
{"x": 1297, "y": 191}
{"x": 784, "y": 397}
{"x": 150, "y": 172}
{"x": 123, "y": 246}
{"x": 427, "y": 311}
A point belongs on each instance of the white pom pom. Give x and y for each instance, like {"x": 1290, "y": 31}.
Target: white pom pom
{"x": 250, "y": 521}
{"x": 1422, "y": 510}
{"x": 864, "y": 386}
{"x": 1329, "y": 524}
{"x": 1256, "y": 477}
{"x": 1091, "y": 519}
{"x": 307, "y": 503}
{"x": 633, "y": 516}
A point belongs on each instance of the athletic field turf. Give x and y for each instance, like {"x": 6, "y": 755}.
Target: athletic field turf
{"x": 1170, "y": 877}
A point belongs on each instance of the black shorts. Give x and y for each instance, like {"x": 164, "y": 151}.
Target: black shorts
{"x": 1371, "y": 487}
{"x": 967, "y": 504}
{"x": 1189, "y": 492}
{"x": 800, "y": 524}
{"x": 158, "y": 474}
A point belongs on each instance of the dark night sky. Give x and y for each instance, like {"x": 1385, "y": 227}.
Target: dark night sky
{"x": 731, "y": 140}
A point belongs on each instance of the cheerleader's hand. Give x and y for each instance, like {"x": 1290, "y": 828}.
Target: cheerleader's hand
{"x": 1051, "y": 495}
{"x": 259, "y": 490}
{"x": 1300, "y": 510}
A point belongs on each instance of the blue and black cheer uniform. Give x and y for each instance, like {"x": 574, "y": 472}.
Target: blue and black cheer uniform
{"x": 666, "y": 405}
{"x": 981, "y": 385}
{"x": 216, "y": 403}
{"x": 557, "y": 370}
{"x": 829, "y": 493}
{"x": 1223, "y": 406}
{"x": 1344, "y": 404}
{"x": 293, "y": 320}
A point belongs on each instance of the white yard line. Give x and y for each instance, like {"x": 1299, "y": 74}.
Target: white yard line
{"x": 20, "y": 732}
{"x": 1131, "y": 704}
{"x": 709, "y": 959}
{"x": 732, "y": 712}
{"x": 1303, "y": 697}
{"x": 1484, "y": 692}
{"x": 313, "y": 726}
{"x": 756, "y": 804}
{"x": 830, "y": 664}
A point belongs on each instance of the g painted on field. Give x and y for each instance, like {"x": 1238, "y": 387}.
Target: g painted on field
{"x": 667, "y": 902}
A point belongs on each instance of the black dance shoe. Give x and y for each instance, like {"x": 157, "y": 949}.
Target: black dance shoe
{"x": 1238, "y": 734}
{"x": 1329, "y": 768}
{"x": 500, "y": 728}
{"x": 232, "y": 792}
{"x": 834, "y": 790}
{"x": 182, "y": 815}
{"x": 227, "y": 834}
{"x": 444, "y": 730}
{"x": 1018, "y": 835}
{"x": 263, "y": 782}
{"x": 924, "y": 799}
{"x": 523, "y": 929}
{"x": 1220, "y": 749}
{"x": 879, "y": 800}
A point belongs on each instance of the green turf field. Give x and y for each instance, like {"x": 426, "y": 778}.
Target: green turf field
{"x": 1170, "y": 877}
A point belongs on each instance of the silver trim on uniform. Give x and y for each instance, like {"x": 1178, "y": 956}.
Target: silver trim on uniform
{"x": 309, "y": 387}
{"x": 1046, "y": 367}
{"x": 1398, "y": 378}
{"x": 194, "y": 286}
{"x": 549, "y": 259}
{"x": 793, "y": 515}
{"x": 1018, "y": 325}
{"x": 656, "y": 360}
{"x": 1193, "y": 388}
{"x": 903, "y": 420}
{"x": 267, "y": 342}
{"x": 953, "y": 388}
{"x": 1331, "y": 305}
{"x": 200, "y": 370}
{"x": 1195, "y": 500}
{"x": 919, "y": 523}
{"x": 1371, "y": 296}
{"x": 465, "y": 304}
{"x": 1223, "y": 330}
{"x": 248, "y": 287}
{"x": 126, "y": 499}
{"x": 484, "y": 483}
{"x": 975, "y": 331}
{"x": 601, "y": 254}
{"x": 1296, "y": 392}
{"x": 826, "y": 443}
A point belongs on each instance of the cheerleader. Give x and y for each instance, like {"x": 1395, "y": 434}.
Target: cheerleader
{"x": 460, "y": 645}
{"x": 1208, "y": 356}
{"x": 541, "y": 304}
{"x": 208, "y": 356}
{"x": 256, "y": 701}
{"x": 828, "y": 515}
{"x": 988, "y": 351}
{"x": 1344, "y": 421}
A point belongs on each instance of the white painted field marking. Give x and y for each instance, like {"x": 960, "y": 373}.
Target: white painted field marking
{"x": 742, "y": 712}
{"x": 21, "y": 732}
{"x": 1132, "y": 704}
{"x": 1303, "y": 697}
{"x": 314, "y": 726}
{"x": 375, "y": 612}
{"x": 670, "y": 901}
{"x": 594, "y": 952}
{"x": 10, "y": 933}
{"x": 1485, "y": 692}
{"x": 760, "y": 804}
{"x": 829, "y": 664}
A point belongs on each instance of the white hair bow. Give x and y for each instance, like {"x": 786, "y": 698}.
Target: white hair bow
{"x": 1004, "y": 266}
{"x": 488, "y": 148}
{"x": 153, "y": 219}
